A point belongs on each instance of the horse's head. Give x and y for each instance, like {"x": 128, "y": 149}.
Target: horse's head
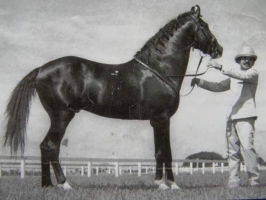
{"x": 204, "y": 40}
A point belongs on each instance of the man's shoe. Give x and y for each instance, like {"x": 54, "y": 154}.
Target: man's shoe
{"x": 232, "y": 185}
{"x": 255, "y": 185}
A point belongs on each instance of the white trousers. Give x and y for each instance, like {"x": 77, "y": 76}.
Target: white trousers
{"x": 240, "y": 141}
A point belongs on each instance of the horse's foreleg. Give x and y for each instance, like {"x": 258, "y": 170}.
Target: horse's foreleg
{"x": 161, "y": 128}
{"x": 163, "y": 154}
{"x": 167, "y": 155}
{"x": 158, "y": 154}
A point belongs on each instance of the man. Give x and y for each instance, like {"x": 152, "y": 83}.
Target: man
{"x": 242, "y": 114}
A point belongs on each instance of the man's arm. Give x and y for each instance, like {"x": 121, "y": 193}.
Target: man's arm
{"x": 212, "y": 86}
{"x": 250, "y": 75}
{"x": 221, "y": 86}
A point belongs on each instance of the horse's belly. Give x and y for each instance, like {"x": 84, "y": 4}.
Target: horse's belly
{"x": 134, "y": 111}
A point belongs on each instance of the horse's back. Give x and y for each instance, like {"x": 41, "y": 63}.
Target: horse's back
{"x": 77, "y": 83}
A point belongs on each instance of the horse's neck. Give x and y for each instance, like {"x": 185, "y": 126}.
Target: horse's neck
{"x": 177, "y": 67}
{"x": 173, "y": 59}
{"x": 175, "y": 62}
{"x": 178, "y": 49}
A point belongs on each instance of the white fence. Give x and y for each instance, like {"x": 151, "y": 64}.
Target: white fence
{"x": 82, "y": 166}
{"x": 93, "y": 166}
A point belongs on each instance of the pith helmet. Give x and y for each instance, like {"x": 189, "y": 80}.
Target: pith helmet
{"x": 246, "y": 51}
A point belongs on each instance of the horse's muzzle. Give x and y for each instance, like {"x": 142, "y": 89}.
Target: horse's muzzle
{"x": 217, "y": 51}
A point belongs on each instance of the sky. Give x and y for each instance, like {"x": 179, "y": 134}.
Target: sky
{"x": 33, "y": 33}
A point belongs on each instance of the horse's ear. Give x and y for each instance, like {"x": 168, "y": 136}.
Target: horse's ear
{"x": 196, "y": 10}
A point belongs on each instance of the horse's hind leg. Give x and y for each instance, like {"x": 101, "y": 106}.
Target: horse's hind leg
{"x": 50, "y": 147}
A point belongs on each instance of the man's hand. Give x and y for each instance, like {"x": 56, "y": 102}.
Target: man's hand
{"x": 215, "y": 65}
{"x": 195, "y": 81}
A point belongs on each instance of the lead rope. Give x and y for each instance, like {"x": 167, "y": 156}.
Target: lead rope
{"x": 195, "y": 77}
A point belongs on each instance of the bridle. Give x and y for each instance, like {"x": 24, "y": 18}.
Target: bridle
{"x": 182, "y": 75}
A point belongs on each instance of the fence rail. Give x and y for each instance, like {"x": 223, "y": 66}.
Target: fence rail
{"x": 117, "y": 167}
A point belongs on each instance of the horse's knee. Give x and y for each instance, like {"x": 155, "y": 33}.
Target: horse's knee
{"x": 158, "y": 156}
{"x": 43, "y": 146}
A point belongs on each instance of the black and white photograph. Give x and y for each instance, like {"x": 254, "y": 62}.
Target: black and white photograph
{"x": 127, "y": 100}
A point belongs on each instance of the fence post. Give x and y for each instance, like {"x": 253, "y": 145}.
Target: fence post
{"x": 191, "y": 168}
{"x": 65, "y": 170}
{"x": 120, "y": 170}
{"x": 89, "y": 169}
{"x": 197, "y": 165}
{"x": 203, "y": 168}
{"x": 139, "y": 168}
{"x": 22, "y": 168}
{"x": 213, "y": 168}
{"x": 222, "y": 167}
{"x": 116, "y": 169}
{"x": 82, "y": 171}
{"x": 97, "y": 170}
{"x": 130, "y": 170}
{"x": 176, "y": 168}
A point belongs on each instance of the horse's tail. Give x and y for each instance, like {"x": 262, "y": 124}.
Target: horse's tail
{"x": 17, "y": 112}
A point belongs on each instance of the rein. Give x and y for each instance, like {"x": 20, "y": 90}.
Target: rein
{"x": 195, "y": 75}
{"x": 178, "y": 75}
{"x": 157, "y": 74}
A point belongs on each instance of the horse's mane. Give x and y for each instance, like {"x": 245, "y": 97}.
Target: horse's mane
{"x": 156, "y": 45}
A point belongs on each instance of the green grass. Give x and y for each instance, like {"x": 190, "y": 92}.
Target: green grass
{"x": 197, "y": 186}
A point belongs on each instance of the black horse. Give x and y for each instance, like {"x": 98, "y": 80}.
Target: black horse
{"x": 138, "y": 89}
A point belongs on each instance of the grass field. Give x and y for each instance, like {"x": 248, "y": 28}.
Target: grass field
{"x": 107, "y": 187}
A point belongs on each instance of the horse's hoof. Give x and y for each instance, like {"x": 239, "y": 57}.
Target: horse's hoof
{"x": 159, "y": 182}
{"x": 163, "y": 186}
{"x": 65, "y": 186}
{"x": 48, "y": 185}
{"x": 174, "y": 186}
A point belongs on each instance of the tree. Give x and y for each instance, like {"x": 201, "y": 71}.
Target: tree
{"x": 204, "y": 155}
